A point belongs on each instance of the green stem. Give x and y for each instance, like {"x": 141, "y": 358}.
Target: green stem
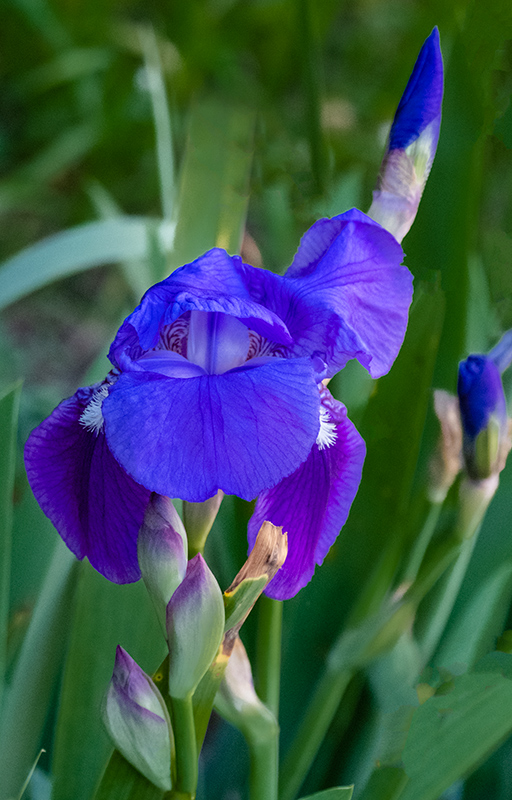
{"x": 264, "y": 771}
{"x": 186, "y": 750}
{"x": 321, "y": 709}
{"x": 421, "y": 543}
{"x": 474, "y": 499}
{"x": 429, "y": 628}
{"x": 268, "y": 660}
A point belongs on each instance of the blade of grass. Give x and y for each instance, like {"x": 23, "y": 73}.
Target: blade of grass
{"x": 9, "y": 405}
{"x": 106, "y": 615}
{"x": 213, "y": 193}
{"x": 90, "y": 245}
{"x": 34, "y": 679}
{"x": 162, "y": 119}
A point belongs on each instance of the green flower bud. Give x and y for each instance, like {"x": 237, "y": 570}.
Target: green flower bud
{"x": 195, "y": 627}
{"x": 162, "y": 551}
{"x": 137, "y": 721}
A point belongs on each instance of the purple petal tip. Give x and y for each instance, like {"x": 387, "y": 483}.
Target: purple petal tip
{"x": 422, "y": 98}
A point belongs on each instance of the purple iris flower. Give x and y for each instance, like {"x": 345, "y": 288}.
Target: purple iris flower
{"x": 219, "y": 378}
{"x": 217, "y": 384}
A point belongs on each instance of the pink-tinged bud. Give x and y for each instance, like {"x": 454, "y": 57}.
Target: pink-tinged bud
{"x": 238, "y": 702}
{"x": 162, "y": 551}
{"x": 195, "y": 627}
{"x": 447, "y": 460}
{"x": 412, "y": 144}
{"x": 137, "y": 721}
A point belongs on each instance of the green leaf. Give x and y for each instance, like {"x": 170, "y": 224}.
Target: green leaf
{"x": 336, "y": 793}
{"x": 34, "y": 679}
{"x": 121, "y": 781}
{"x": 451, "y": 733}
{"x": 162, "y": 119}
{"x": 105, "y": 615}
{"x": 90, "y": 245}
{"x": 9, "y": 405}
{"x": 214, "y": 179}
{"x": 386, "y": 783}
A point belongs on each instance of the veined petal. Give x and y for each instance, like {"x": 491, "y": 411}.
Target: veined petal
{"x": 241, "y": 431}
{"x": 212, "y": 283}
{"x": 312, "y": 505}
{"x": 349, "y": 267}
{"x": 95, "y": 506}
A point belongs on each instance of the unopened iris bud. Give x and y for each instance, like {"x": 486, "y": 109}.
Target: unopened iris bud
{"x": 162, "y": 551}
{"x": 237, "y": 700}
{"x": 447, "y": 460}
{"x": 483, "y": 412}
{"x": 199, "y": 518}
{"x": 137, "y": 721}
{"x": 195, "y": 627}
{"x": 412, "y": 143}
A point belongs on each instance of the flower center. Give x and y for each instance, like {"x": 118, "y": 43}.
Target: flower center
{"x": 206, "y": 342}
{"x": 217, "y": 342}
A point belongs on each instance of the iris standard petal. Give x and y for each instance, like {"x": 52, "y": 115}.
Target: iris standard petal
{"x": 421, "y": 101}
{"x": 241, "y": 431}
{"x": 95, "y": 506}
{"x": 412, "y": 144}
{"x": 212, "y": 283}
{"x": 351, "y": 265}
{"x": 312, "y": 505}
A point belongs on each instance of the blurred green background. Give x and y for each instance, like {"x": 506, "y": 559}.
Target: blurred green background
{"x": 241, "y": 122}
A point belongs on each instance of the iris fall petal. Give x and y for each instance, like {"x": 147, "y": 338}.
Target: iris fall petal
{"x": 312, "y": 505}
{"x": 96, "y": 507}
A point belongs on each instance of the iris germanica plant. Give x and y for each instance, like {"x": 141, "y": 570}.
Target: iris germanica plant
{"x": 219, "y": 378}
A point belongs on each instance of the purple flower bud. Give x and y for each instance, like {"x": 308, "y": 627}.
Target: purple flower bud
{"x": 137, "y": 721}
{"x": 483, "y": 412}
{"x": 162, "y": 551}
{"x": 195, "y": 627}
{"x": 412, "y": 143}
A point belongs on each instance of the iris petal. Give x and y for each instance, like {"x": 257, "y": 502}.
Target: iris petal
{"x": 312, "y": 505}
{"x": 211, "y": 283}
{"x": 241, "y": 431}
{"x": 350, "y": 265}
{"x": 96, "y": 507}
{"x": 421, "y": 101}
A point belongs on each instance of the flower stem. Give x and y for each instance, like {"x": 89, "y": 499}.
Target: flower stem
{"x": 264, "y": 771}
{"x": 422, "y": 542}
{"x": 186, "y": 750}
{"x": 321, "y": 710}
{"x": 264, "y": 752}
{"x": 268, "y": 659}
{"x": 429, "y": 628}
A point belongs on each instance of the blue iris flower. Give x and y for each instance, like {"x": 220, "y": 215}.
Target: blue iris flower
{"x": 218, "y": 381}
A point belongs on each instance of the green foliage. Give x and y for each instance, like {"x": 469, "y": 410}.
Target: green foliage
{"x": 9, "y": 403}
{"x": 339, "y": 793}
